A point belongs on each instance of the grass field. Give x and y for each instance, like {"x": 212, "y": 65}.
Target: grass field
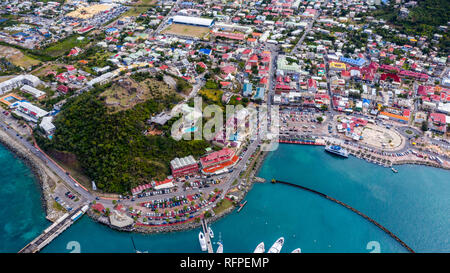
{"x": 185, "y": 30}
{"x": 16, "y": 57}
{"x": 135, "y": 11}
{"x": 222, "y": 206}
{"x": 65, "y": 45}
{"x": 212, "y": 95}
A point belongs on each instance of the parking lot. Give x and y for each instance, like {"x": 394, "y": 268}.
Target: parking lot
{"x": 66, "y": 197}
{"x": 303, "y": 122}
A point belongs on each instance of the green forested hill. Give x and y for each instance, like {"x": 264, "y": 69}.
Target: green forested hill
{"x": 111, "y": 148}
{"x": 423, "y": 19}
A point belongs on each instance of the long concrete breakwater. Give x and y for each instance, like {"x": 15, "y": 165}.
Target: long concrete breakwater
{"x": 350, "y": 208}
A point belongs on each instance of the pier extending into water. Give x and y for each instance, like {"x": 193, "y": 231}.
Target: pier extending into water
{"x": 350, "y": 208}
{"x": 53, "y": 231}
{"x": 207, "y": 238}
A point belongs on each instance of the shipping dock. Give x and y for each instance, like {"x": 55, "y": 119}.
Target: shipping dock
{"x": 53, "y": 231}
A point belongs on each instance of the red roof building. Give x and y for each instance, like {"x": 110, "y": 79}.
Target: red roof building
{"x": 437, "y": 122}
{"x": 216, "y": 158}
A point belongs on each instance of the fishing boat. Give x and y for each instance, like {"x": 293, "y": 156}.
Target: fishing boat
{"x": 220, "y": 248}
{"x": 202, "y": 240}
{"x": 394, "y": 170}
{"x": 276, "y": 247}
{"x": 259, "y": 248}
{"x": 211, "y": 233}
{"x": 297, "y": 250}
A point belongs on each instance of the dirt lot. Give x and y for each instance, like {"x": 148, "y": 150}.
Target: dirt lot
{"x": 379, "y": 137}
{"x": 16, "y": 57}
{"x": 88, "y": 12}
{"x": 185, "y": 30}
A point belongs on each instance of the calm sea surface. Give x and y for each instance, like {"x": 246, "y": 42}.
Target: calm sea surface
{"x": 414, "y": 204}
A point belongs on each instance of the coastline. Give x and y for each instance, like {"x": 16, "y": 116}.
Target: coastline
{"x": 47, "y": 180}
{"x": 45, "y": 177}
{"x": 186, "y": 226}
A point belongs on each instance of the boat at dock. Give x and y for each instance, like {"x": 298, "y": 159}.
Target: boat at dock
{"x": 394, "y": 170}
{"x": 211, "y": 233}
{"x": 337, "y": 150}
{"x": 276, "y": 247}
{"x": 260, "y": 248}
{"x": 219, "y": 248}
{"x": 297, "y": 250}
{"x": 202, "y": 240}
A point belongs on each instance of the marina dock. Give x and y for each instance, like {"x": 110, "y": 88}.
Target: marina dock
{"x": 350, "y": 208}
{"x": 53, "y": 231}
{"x": 242, "y": 206}
{"x": 207, "y": 238}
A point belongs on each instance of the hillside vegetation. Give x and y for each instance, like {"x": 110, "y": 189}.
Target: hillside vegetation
{"x": 111, "y": 148}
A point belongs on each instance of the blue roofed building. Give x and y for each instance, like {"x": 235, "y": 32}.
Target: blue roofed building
{"x": 111, "y": 30}
{"x": 357, "y": 62}
{"x": 205, "y": 51}
{"x": 260, "y": 91}
{"x": 248, "y": 90}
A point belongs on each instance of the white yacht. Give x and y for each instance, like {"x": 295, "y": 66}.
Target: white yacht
{"x": 220, "y": 248}
{"x": 202, "y": 240}
{"x": 276, "y": 247}
{"x": 259, "y": 248}
{"x": 297, "y": 250}
{"x": 211, "y": 233}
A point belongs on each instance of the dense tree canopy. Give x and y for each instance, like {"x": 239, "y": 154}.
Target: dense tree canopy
{"x": 112, "y": 148}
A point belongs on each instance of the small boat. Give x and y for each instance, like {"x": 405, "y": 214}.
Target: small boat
{"x": 259, "y": 248}
{"x": 220, "y": 248}
{"x": 211, "y": 233}
{"x": 202, "y": 240}
{"x": 394, "y": 170}
{"x": 297, "y": 250}
{"x": 276, "y": 247}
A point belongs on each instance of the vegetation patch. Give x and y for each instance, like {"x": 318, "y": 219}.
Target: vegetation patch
{"x": 65, "y": 45}
{"x": 222, "y": 205}
{"x": 17, "y": 58}
{"x": 125, "y": 92}
{"x": 111, "y": 147}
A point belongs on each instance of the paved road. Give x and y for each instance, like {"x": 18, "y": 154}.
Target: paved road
{"x": 57, "y": 170}
{"x": 308, "y": 28}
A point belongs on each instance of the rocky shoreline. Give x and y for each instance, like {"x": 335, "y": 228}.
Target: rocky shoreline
{"x": 154, "y": 229}
{"x": 41, "y": 172}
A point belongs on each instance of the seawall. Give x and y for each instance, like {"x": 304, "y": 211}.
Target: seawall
{"x": 45, "y": 176}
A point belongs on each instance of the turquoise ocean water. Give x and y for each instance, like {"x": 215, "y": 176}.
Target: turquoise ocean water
{"x": 414, "y": 204}
{"x": 21, "y": 212}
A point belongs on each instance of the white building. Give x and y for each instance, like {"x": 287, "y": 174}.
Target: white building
{"x": 194, "y": 21}
{"x": 28, "y": 111}
{"x": 47, "y": 125}
{"x": 103, "y": 79}
{"x": 18, "y": 82}
{"x": 38, "y": 94}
